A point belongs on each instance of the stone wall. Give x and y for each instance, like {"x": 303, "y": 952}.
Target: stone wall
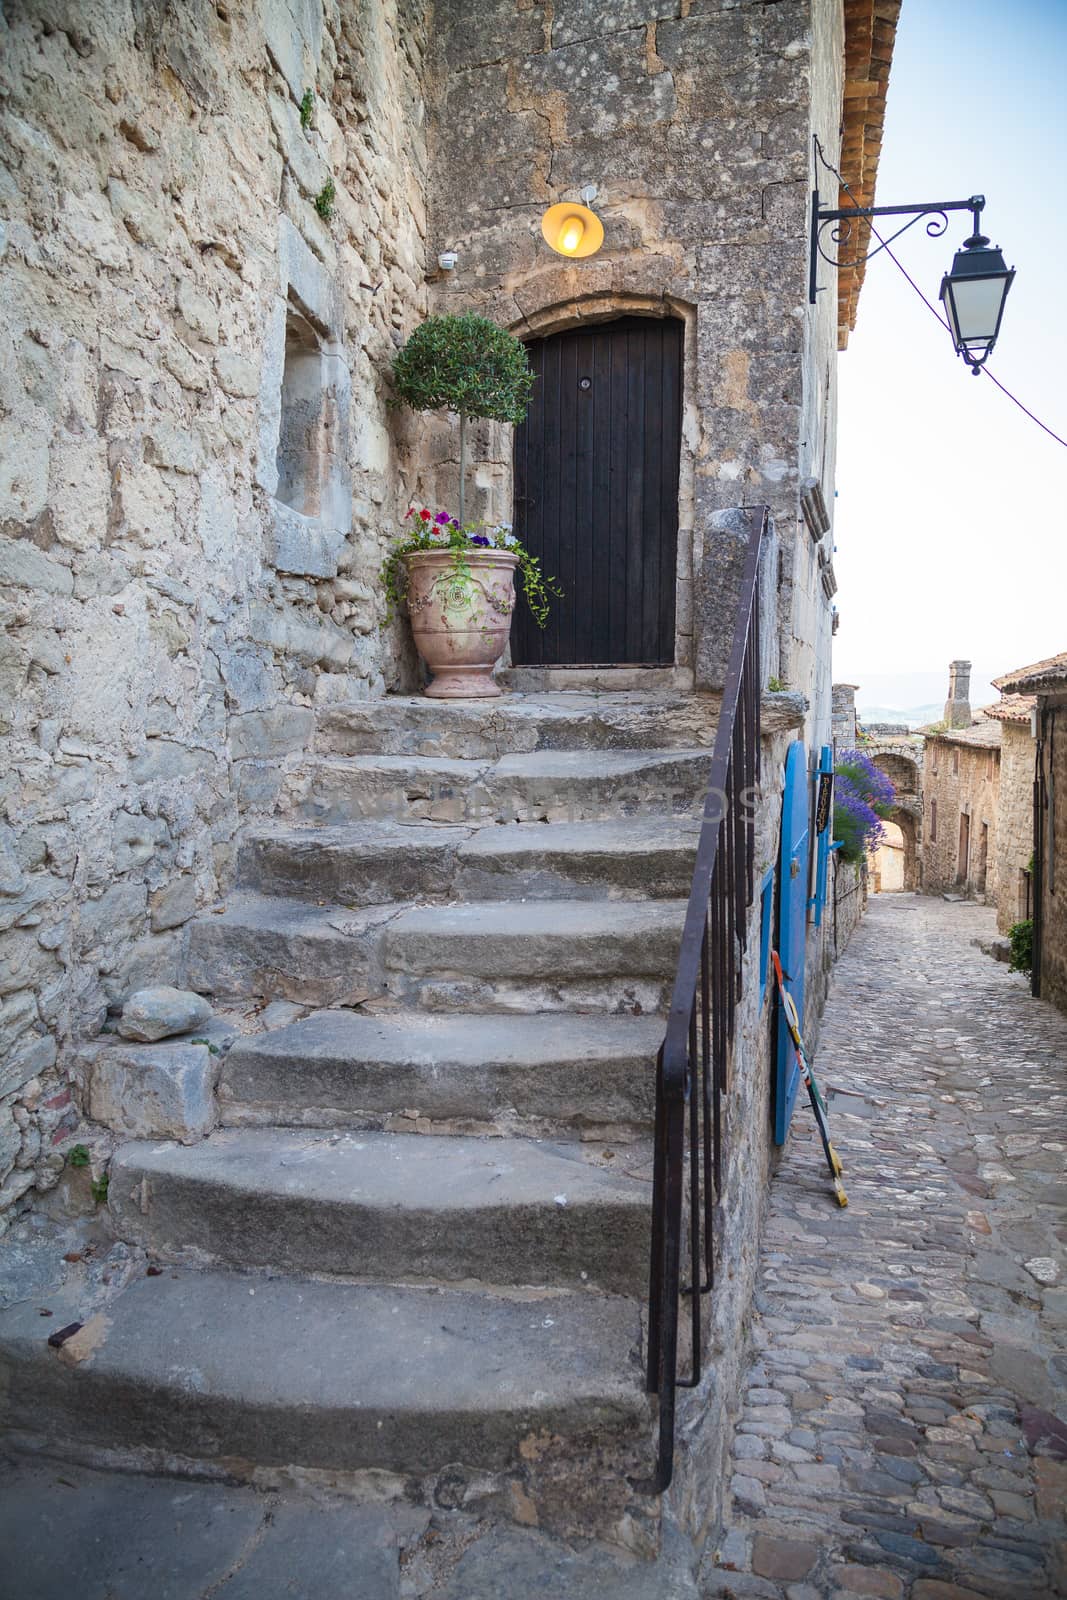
{"x": 843, "y": 715}
{"x": 174, "y": 606}
{"x": 1054, "y": 887}
{"x": 1015, "y": 824}
{"x": 960, "y": 778}
{"x": 696, "y": 129}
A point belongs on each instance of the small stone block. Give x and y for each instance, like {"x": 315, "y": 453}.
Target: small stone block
{"x": 782, "y": 1558}
{"x": 876, "y": 1581}
{"x": 153, "y": 1091}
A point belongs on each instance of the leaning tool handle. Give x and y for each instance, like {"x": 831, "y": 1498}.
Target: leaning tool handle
{"x": 793, "y": 1024}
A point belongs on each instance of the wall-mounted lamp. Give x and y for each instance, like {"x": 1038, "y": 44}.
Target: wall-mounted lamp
{"x": 573, "y": 230}
{"x": 973, "y": 293}
{"x": 447, "y": 260}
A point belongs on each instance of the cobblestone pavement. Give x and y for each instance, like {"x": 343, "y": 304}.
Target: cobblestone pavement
{"x": 904, "y": 1431}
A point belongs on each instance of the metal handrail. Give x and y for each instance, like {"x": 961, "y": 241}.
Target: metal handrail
{"x": 700, "y": 1023}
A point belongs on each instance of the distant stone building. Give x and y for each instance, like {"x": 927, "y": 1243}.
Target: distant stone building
{"x": 1015, "y": 809}
{"x": 961, "y": 778}
{"x": 960, "y": 786}
{"x": 1047, "y": 682}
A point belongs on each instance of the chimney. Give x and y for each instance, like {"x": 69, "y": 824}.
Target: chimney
{"x": 958, "y": 704}
{"x": 843, "y": 715}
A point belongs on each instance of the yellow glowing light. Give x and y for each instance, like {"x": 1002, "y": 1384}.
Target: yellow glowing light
{"x": 572, "y": 230}
{"x": 570, "y": 235}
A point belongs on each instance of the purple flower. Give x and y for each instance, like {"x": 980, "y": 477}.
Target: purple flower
{"x": 442, "y": 518}
{"x": 479, "y": 538}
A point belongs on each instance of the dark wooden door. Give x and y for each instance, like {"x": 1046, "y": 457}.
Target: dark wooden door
{"x": 596, "y": 492}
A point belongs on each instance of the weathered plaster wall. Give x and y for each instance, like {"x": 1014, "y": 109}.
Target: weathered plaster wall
{"x": 960, "y": 778}
{"x": 170, "y": 622}
{"x": 694, "y": 123}
{"x": 1015, "y": 824}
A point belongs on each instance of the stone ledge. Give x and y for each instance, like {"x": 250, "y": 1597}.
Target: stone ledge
{"x": 782, "y": 711}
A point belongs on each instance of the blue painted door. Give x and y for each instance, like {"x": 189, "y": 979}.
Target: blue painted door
{"x": 792, "y": 926}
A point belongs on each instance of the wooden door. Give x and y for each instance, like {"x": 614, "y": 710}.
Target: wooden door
{"x": 963, "y": 865}
{"x": 596, "y": 492}
{"x": 792, "y": 927}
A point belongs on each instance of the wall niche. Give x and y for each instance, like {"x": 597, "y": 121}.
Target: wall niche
{"x": 303, "y": 459}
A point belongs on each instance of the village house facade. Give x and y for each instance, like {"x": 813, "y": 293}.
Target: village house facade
{"x": 453, "y": 930}
{"x": 1015, "y": 809}
{"x": 1046, "y": 682}
{"x": 960, "y": 786}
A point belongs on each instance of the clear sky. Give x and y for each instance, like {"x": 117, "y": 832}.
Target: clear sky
{"x": 951, "y": 513}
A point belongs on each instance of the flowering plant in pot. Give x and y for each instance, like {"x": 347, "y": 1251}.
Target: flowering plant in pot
{"x": 458, "y": 577}
{"x": 458, "y": 584}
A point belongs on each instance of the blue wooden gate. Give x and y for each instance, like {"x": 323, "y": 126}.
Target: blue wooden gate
{"x": 792, "y": 926}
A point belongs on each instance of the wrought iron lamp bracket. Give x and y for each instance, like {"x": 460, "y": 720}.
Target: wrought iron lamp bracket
{"x": 839, "y": 221}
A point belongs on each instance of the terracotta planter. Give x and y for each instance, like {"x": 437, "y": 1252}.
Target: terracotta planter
{"x": 461, "y": 620}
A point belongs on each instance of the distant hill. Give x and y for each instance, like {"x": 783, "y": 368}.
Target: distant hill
{"x": 913, "y": 717}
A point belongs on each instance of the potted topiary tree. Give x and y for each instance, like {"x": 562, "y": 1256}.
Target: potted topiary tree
{"x": 458, "y": 578}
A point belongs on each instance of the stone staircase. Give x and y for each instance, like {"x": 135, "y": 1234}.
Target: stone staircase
{"x": 415, "y": 1253}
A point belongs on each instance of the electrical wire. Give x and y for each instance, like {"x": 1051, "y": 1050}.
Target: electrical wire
{"x": 935, "y": 313}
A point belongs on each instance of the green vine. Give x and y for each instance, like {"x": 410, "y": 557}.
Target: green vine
{"x": 307, "y": 108}
{"x": 1021, "y": 939}
{"x": 325, "y": 199}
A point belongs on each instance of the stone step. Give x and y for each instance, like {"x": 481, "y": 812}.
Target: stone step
{"x": 377, "y": 863}
{"x": 457, "y": 729}
{"x": 542, "y": 786}
{"x": 289, "y": 950}
{"x": 221, "y": 1367}
{"x": 607, "y": 680}
{"x": 395, "y": 1208}
{"x": 541, "y": 955}
{"x": 573, "y": 1073}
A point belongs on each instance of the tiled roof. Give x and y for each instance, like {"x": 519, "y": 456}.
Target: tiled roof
{"x": 983, "y": 735}
{"x": 1053, "y": 670}
{"x": 870, "y": 32}
{"x": 1011, "y": 708}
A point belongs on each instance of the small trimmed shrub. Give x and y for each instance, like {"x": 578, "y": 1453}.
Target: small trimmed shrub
{"x": 468, "y": 365}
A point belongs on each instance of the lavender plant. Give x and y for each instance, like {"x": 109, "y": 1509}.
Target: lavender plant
{"x": 863, "y": 798}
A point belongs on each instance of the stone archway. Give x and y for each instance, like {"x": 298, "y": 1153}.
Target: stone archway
{"x": 902, "y": 764}
{"x": 887, "y": 863}
{"x": 906, "y": 820}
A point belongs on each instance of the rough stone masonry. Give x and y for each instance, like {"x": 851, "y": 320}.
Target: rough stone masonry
{"x": 217, "y": 224}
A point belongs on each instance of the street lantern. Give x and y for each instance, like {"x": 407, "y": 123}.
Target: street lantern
{"x": 973, "y": 295}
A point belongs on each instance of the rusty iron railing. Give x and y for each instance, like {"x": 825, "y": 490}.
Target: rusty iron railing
{"x": 693, "y": 1062}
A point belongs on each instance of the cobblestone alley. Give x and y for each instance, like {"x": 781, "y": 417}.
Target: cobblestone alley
{"x": 904, "y": 1433}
